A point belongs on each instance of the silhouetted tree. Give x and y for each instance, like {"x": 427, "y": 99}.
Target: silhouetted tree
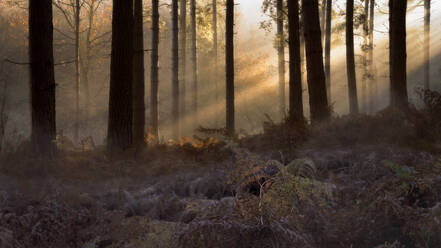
{"x": 119, "y": 133}
{"x": 43, "y": 85}
{"x": 138, "y": 75}
{"x": 314, "y": 59}
{"x": 77, "y": 70}
{"x": 328, "y": 48}
{"x": 281, "y": 55}
{"x": 214, "y": 25}
{"x": 364, "y": 49}
{"x": 229, "y": 67}
{"x": 175, "y": 70}
{"x": 372, "y": 81}
{"x": 427, "y": 44}
{"x": 295, "y": 74}
{"x": 194, "y": 64}
{"x": 183, "y": 56}
{"x": 154, "y": 69}
{"x": 350, "y": 58}
{"x": 398, "y": 55}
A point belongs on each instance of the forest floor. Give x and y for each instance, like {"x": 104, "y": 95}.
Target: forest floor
{"x": 364, "y": 181}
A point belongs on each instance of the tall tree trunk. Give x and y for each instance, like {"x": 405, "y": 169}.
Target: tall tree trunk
{"x": 215, "y": 73}
{"x": 398, "y": 55}
{"x": 77, "y": 71}
{"x": 3, "y": 114}
{"x": 314, "y": 59}
{"x": 86, "y": 63}
{"x": 372, "y": 81}
{"x": 175, "y": 69}
{"x": 194, "y": 63}
{"x": 183, "y": 46}
{"x": 427, "y": 44}
{"x": 154, "y": 118}
{"x": 229, "y": 67}
{"x": 350, "y": 58}
{"x": 328, "y": 49}
{"x": 323, "y": 20}
{"x": 364, "y": 86}
{"x": 120, "y": 122}
{"x": 281, "y": 56}
{"x": 138, "y": 75}
{"x": 42, "y": 78}
{"x": 295, "y": 73}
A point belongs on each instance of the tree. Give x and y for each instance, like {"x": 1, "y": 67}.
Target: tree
{"x": 77, "y": 70}
{"x": 295, "y": 74}
{"x": 364, "y": 48}
{"x": 183, "y": 57}
{"x": 350, "y": 58}
{"x": 372, "y": 82}
{"x": 214, "y": 25}
{"x": 193, "y": 57}
{"x": 119, "y": 133}
{"x": 427, "y": 44}
{"x": 397, "y": 54}
{"x": 314, "y": 58}
{"x": 175, "y": 70}
{"x": 138, "y": 75}
{"x": 281, "y": 55}
{"x": 229, "y": 67}
{"x": 328, "y": 48}
{"x": 42, "y": 78}
{"x": 154, "y": 83}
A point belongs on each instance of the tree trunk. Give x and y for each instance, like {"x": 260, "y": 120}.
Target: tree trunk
{"x": 364, "y": 86}
{"x": 175, "y": 70}
{"x": 229, "y": 67}
{"x": 314, "y": 58}
{"x": 323, "y": 20}
{"x": 42, "y": 78}
{"x": 350, "y": 58}
{"x": 120, "y": 123}
{"x": 398, "y": 55}
{"x": 77, "y": 71}
{"x": 328, "y": 49}
{"x": 154, "y": 118}
{"x": 194, "y": 63}
{"x": 281, "y": 56}
{"x": 215, "y": 73}
{"x": 295, "y": 73}
{"x": 138, "y": 76}
{"x": 3, "y": 115}
{"x": 86, "y": 62}
{"x": 372, "y": 81}
{"x": 183, "y": 46}
{"x": 427, "y": 44}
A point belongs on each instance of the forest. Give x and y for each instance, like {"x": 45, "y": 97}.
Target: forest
{"x": 220, "y": 123}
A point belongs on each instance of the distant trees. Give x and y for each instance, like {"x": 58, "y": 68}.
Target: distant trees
{"x": 295, "y": 74}
{"x": 229, "y": 67}
{"x": 314, "y": 58}
{"x": 138, "y": 75}
{"x": 119, "y": 133}
{"x": 183, "y": 55}
{"x": 427, "y": 44}
{"x": 371, "y": 62}
{"x": 194, "y": 64}
{"x": 281, "y": 54}
{"x": 350, "y": 58}
{"x": 154, "y": 83}
{"x": 43, "y": 84}
{"x": 398, "y": 55}
{"x": 175, "y": 70}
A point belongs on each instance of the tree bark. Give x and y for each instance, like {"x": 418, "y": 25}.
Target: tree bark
{"x": 372, "y": 81}
{"x": 43, "y": 85}
{"x": 175, "y": 70}
{"x": 281, "y": 56}
{"x": 398, "y": 55}
{"x": 295, "y": 73}
{"x": 323, "y": 20}
{"x": 215, "y": 73}
{"x": 427, "y": 44}
{"x": 154, "y": 82}
{"x": 77, "y": 71}
{"x": 350, "y": 58}
{"x": 138, "y": 76}
{"x": 229, "y": 67}
{"x": 314, "y": 58}
{"x": 194, "y": 63}
{"x": 183, "y": 58}
{"x": 328, "y": 49}
{"x": 364, "y": 86}
{"x": 120, "y": 123}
